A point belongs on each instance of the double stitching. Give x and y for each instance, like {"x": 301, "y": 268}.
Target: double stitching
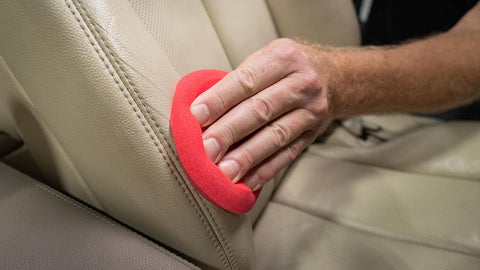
{"x": 139, "y": 114}
{"x": 227, "y": 247}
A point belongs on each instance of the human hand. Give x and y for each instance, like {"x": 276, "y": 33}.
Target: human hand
{"x": 262, "y": 115}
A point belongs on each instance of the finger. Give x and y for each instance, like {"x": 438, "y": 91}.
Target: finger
{"x": 256, "y": 73}
{"x": 249, "y": 116}
{"x": 264, "y": 172}
{"x": 266, "y": 142}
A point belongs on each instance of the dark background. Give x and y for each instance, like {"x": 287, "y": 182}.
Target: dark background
{"x": 394, "y": 21}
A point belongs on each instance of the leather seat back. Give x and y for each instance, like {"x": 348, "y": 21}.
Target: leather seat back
{"x": 93, "y": 83}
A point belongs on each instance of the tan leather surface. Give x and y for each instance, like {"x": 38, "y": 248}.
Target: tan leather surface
{"x": 43, "y": 229}
{"x": 380, "y": 128}
{"x": 243, "y": 26}
{"x": 184, "y": 33}
{"x": 328, "y": 22}
{"x": 90, "y": 88}
{"x": 445, "y": 149}
{"x": 287, "y": 238}
{"x": 100, "y": 90}
{"x": 44, "y": 148}
{"x": 436, "y": 211}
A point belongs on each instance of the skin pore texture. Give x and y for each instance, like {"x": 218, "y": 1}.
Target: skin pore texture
{"x": 261, "y": 116}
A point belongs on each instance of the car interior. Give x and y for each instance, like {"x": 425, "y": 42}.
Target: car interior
{"x": 90, "y": 177}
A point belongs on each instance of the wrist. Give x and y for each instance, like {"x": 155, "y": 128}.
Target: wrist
{"x": 352, "y": 78}
{"x": 326, "y": 61}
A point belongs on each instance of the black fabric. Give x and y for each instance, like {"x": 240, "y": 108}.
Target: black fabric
{"x": 394, "y": 21}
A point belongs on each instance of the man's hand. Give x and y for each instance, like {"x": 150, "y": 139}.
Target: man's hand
{"x": 263, "y": 114}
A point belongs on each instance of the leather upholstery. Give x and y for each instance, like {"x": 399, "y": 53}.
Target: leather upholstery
{"x": 93, "y": 83}
{"x": 326, "y": 22}
{"x": 343, "y": 215}
{"x": 289, "y": 238}
{"x": 97, "y": 89}
{"x": 242, "y": 26}
{"x": 444, "y": 149}
{"x": 43, "y": 229}
{"x": 87, "y": 85}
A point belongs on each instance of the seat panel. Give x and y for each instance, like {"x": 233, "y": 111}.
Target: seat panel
{"x": 43, "y": 229}
{"x": 435, "y": 211}
{"x": 242, "y": 26}
{"x": 184, "y": 32}
{"x": 436, "y": 148}
{"x": 328, "y": 22}
{"x": 97, "y": 89}
{"x": 287, "y": 238}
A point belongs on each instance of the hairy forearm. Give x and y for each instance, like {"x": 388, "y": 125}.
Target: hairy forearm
{"x": 434, "y": 74}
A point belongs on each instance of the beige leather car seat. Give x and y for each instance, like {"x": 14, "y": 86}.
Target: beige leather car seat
{"x": 87, "y": 86}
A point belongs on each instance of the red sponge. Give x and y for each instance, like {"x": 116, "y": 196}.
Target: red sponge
{"x": 204, "y": 175}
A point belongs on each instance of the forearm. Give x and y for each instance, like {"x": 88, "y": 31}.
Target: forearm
{"x": 260, "y": 116}
{"x": 431, "y": 75}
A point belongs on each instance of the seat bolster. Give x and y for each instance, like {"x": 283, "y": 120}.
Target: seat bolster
{"x": 97, "y": 90}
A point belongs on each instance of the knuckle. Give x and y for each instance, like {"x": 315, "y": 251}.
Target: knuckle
{"x": 262, "y": 108}
{"x": 246, "y": 77}
{"x": 311, "y": 80}
{"x": 280, "y": 134}
{"x": 286, "y": 49}
{"x": 319, "y": 108}
{"x": 266, "y": 173}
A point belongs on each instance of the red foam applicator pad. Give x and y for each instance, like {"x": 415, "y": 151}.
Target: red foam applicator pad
{"x": 204, "y": 175}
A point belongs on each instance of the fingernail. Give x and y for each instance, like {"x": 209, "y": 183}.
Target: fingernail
{"x": 253, "y": 182}
{"x": 257, "y": 187}
{"x": 201, "y": 112}
{"x": 230, "y": 168}
{"x": 212, "y": 147}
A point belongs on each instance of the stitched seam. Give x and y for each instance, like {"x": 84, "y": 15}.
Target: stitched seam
{"x": 129, "y": 99}
{"x": 227, "y": 247}
{"x": 223, "y": 241}
{"x": 218, "y": 248}
{"x": 176, "y": 173}
{"x": 105, "y": 220}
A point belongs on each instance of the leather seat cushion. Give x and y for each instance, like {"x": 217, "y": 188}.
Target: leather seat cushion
{"x": 343, "y": 215}
{"x": 436, "y": 148}
{"x": 288, "y": 238}
{"x": 43, "y": 229}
